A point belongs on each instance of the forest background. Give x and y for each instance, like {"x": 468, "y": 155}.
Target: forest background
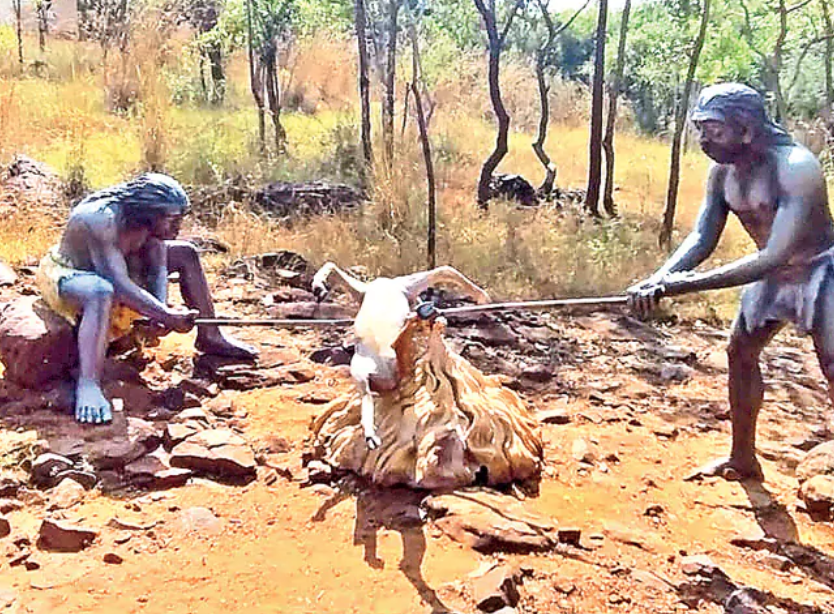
{"x": 242, "y": 93}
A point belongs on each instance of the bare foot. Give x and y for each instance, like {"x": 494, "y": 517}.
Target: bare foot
{"x": 90, "y": 405}
{"x": 729, "y": 469}
{"x": 219, "y": 344}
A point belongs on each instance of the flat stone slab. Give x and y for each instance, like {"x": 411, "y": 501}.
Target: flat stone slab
{"x": 489, "y": 521}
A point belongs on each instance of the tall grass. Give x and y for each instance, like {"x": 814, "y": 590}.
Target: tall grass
{"x": 67, "y": 119}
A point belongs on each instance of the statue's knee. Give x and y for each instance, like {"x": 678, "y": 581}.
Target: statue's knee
{"x": 101, "y": 291}
{"x": 183, "y": 255}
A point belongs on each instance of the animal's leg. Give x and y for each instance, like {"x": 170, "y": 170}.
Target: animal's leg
{"x": 367, "y": 416}
{"x": 419, "y": 282}
{"x": 351, "y": 285}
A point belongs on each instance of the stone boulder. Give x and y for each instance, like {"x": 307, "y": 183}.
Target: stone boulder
{"x": 818, "y": 494}
{"x": 819, "y": 461}
{"x": 36, "y": 345}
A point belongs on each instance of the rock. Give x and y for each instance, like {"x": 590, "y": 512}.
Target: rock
{"x": 111, "y": 558}
{"x": 36, "y": 345}
{"x": 743, "y": 601}
{"x": 5, "y": 527}
{"x": 553, "y": 416}
{"x": 47, "y": 467}
{"x": 199, "y": 388}
{"x": 198, "y": 520}
{"x": 177, "y": 433}
{"x": 332, "y": 356}
{"x": 65, "y": 495}
{"x": 10, "y": 505}
{"x": 216, "y": 452}
{"x": 581, "y": 452}
{"x": 489, "y": 522}
{"x": 192, "y": 414}
{"x": 319, "y": 472}
{"x": 819, "y": 461}
{"x": 141, "y": 437}
{"x": 756, "y": 540}
{"x": 630, "y": 537}
{"x": 818, "y": 494}
{"x": 155, "y": 472}
{"x": 61, "y": 536}
{"x": 7, "y": 275}
{"x": 496, "y": 588}
{"x": 675, "y": 373}
{"x": 11, "y": 482}
{"x": 778, "y": 562}
{"x": 698, "y": 565}
{"x": 512, "y": 187}
{"x": 569, "y": 536}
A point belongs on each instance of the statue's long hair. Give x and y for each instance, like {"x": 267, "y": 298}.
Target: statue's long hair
{"x": 144, "y": 199}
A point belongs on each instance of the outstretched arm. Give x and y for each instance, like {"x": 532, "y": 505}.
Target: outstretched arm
{"x": 351, "y": 285}
{"x": 701, "y": 242}
{"x": 416, "y": 283}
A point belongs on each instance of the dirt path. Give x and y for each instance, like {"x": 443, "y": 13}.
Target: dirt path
{"x": 644, "y": 406}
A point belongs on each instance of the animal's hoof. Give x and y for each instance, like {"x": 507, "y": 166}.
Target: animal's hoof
{"x": 373, "y": 442}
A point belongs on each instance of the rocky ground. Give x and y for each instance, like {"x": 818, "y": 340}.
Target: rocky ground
{"x": 200, "y": 497}
{"x": 202, "y": 500}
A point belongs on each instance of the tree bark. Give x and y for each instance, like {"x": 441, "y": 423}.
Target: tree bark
{"x": 273, "y": 96}
{"x": 364, "y": 88}
{"x": 390, "y": 83}
{"x": 595, "y": 149}
{"x": 496, "y": 42}
{"x": 256, "y": 79}
{"x": 546, "y": 188}
{"x": 416, "y": 77}
{"x": 680, "y": 123}
{"x": 611, "y": 120}
{"x": 829, "y": 52}
{"x": 43, "y": 7}
{"x": 16, "y": 4}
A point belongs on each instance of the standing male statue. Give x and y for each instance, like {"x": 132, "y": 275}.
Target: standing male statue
{"x": 111, "y": 267}
{"x": 777, "y": 189}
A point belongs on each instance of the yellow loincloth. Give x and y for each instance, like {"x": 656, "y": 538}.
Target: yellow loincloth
{"x": 54, "y": 268}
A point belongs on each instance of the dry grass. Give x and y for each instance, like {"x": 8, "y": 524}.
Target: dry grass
{"x": 66, "y": 122}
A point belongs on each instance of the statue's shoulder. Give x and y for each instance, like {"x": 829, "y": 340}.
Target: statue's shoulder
{"x": 795, "y": 162}
{"x": 99, "y": 217}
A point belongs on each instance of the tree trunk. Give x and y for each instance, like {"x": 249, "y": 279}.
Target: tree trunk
{"x": 595, "y": 149}
{"x": 19, "y": 25}
{"x": 496, "y": 42}
{"x": 390, "y": 83}
{"x": 546, "y": 188}
{"x": 611, "y": 120}
{"x": 680, "y": 124}
{"x": 273, "y": 96}
{"x": 256, "y": 80}
{"x": 431, "y": 244}
{"x": 43, "y": 22}
{"x": 829, "y": 52}
{"x": 214, "y": 54}
{"x": 778, "y": 48}
{"x": 364, "y": 88}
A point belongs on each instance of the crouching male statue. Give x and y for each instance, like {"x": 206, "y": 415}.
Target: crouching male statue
{"x": 111, "y": 267}
{"x": 777, "y": 190}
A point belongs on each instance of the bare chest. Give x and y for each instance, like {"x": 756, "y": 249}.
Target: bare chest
{"x": 753, "y": 199}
